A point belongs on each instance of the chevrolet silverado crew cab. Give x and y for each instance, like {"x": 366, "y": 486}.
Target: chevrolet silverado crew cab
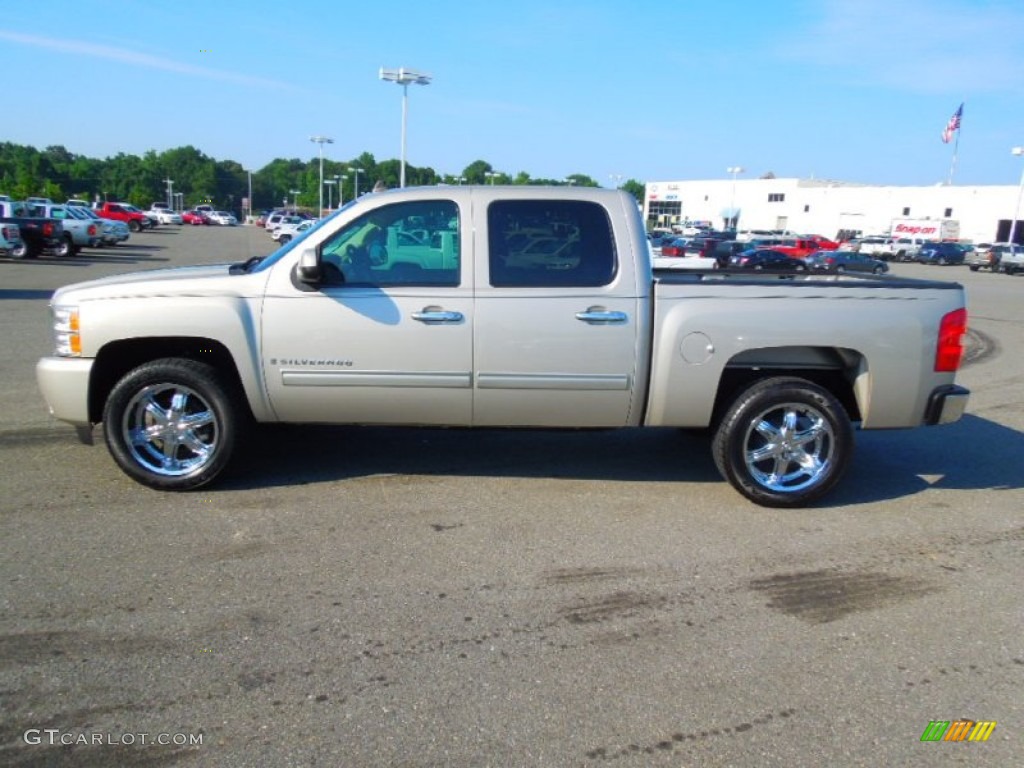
{"x": 487, "y": 306}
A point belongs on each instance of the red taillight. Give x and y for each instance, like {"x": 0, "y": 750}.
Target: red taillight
{"x": 950, "y": 349}
{"x": 91, "y": 230}
{"x": 47, "y": 229}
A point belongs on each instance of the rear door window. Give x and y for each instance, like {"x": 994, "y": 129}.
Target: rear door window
{"x": 550, "y": 243}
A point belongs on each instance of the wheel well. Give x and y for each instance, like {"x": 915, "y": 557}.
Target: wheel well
{"x": 837, "y": 370}
{"x": 119, "y": 357}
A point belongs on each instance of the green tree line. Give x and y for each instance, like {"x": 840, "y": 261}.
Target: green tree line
{"x": 59, "y": 174}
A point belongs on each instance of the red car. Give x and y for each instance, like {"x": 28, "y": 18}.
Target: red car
{"x": 193, "y": 217}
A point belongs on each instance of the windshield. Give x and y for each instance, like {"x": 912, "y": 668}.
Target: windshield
{"x": 300, "y": 237}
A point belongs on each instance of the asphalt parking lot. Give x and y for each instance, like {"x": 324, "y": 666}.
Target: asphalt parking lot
{"x": 376, "y": 597}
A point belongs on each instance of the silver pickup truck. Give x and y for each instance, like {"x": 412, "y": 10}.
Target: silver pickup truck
{"x": 501, "y": 307}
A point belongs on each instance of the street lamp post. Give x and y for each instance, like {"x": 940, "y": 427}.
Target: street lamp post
{"x": 321, "y": 140}
{"x": 250, "y": 193}
{"x": 341, "y": 188}
{"x": 492, "y": 175}
{"x": 330, "y": 186}
{"x": 1017, "y": 152}
{"x": 295, "y": 199}
{"x": 404, "y": 77}
{"x": 617, "y": 178}
{"x": 355, "y": 178}
{"x": 735, "y": 170}
{"x": 170, "y": 192}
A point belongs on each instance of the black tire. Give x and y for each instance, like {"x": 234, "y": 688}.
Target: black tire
{"x": 184, "y": 422}
{"x": 134, "y": 226}
{"x": 974, "y": 267}
{"x": 66, "y": 248}
{"x": 773, "y": 426}
{"x": 284, "y": 239}
{"x": 840, "y": 269}
{"x": 20, "y": 251}
{"x": 878, "y": 271}
{"x": 942, "y": 261}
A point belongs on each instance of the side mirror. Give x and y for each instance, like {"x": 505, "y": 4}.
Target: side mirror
{"x": 308, "y": 269}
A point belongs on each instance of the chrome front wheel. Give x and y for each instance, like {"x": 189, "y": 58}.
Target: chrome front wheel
{"x": 171, "y": 425}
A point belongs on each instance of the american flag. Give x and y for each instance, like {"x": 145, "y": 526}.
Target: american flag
{"x": 953, "y": 125}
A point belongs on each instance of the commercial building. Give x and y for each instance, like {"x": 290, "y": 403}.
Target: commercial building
{"x": 821, "y": 206}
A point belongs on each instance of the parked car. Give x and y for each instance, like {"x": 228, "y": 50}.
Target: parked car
{"x": 703, "y": 245}
{"x": 844, "y": 261}
{"x": 876, "y": 246}
{"x": 223, "y": 218}
{"x": 908, "y": 248}
{"x": 676, "y": 247}
{"x": 941, "y": 254}
{"x": 112, "y": 231}
{"x": 981, "y": 256}
{"x": 11, "y": 242}
{"x": 129, "y": 214}
{"x": 824, "y": 244}
{"x": 40, "y": 234}
{"x": 288, "y": 232}
{"x": 194, "y": 218}
{"x": 79, "y": 233}
{"x": 164, "y": 215}
{"x": 768, "y": 260}
{"x": 726, "y": 249}
{"x": 1011, "y": 257}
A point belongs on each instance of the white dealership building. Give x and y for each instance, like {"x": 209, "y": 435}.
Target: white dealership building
{"x": 825, "y": 207}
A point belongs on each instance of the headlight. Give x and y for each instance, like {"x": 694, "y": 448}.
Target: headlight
{"x": 66, "y": 332}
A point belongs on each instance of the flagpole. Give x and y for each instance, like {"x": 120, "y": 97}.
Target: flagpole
{"x": 956, "y": 152}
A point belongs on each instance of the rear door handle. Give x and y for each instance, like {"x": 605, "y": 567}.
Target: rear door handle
{"x": 436, "y": 315}
{"x": 601, "y": 316}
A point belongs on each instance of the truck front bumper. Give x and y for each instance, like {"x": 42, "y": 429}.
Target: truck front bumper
{"x": 946, "y": 404}
{"x": 64, "y": 382}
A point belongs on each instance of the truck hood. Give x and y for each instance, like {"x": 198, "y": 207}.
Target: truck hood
{"x": 207, "y": 280}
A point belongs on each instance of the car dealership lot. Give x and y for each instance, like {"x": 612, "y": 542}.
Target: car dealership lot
{"x": 365, "y": 596}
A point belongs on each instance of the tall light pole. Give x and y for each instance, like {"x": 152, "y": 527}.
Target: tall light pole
{"x": 355, "y": 171}
{"x": 295, "y": 198}
{"x": 404, "y": 77}
{"x": 735, "y": 170}
{"x": 250, "y": 193}
{"x": 617, "y": 178}
{"x": 330, "y": 186}
{"x": 341, "y": 188}
{"x": 170, "y": 192}
{"x": 321, "y": 140}
{"x": 492, "y": 175}
{"x": 1017, "y": 152}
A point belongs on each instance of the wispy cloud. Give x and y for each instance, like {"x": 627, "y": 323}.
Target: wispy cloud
{"x": 126, "y": 56}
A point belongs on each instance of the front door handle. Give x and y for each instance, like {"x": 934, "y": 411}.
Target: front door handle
{"x": 602, "y": 316}
{"x": 436, "y": 315}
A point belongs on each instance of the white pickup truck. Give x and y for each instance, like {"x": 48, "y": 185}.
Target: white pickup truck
{"x": 496, "y": 306}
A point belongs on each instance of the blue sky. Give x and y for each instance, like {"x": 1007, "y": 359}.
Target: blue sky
{"x": 857, "y": 90}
